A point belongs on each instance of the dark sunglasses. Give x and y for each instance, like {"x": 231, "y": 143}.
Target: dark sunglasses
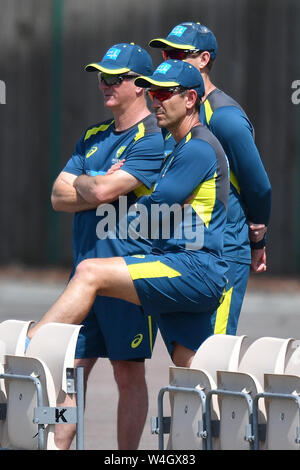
{"x": 163, "y": 94}
{"x": 111, "y": 80}
{"x": 178, "y": 54}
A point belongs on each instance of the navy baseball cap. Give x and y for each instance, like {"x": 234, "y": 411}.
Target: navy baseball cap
{"x": 172, "y": 73}
{"x": 122, "y": 58}
{"x": 189, "y": 36}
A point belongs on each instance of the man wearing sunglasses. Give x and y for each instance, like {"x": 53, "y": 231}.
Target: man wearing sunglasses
{"x": 181, "y": 282}
{"x": 113, "y": 328}
{"x": 250, "y": 191}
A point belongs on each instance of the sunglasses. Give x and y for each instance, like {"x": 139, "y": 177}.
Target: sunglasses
{"x": 178, "y": 54}
{"x": 111, "y": 80}
{"x": 163, "y": 94}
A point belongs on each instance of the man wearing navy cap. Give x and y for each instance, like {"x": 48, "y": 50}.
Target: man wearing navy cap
{"x": 113, "y": 328}
{"x": 250, "y": 191}
{"x": 181, "y": 282}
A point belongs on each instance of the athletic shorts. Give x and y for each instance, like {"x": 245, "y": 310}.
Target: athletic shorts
{"x": 225, "y": 318}
{"x": 174, "y": 289}
{"x": 117, "y": 330}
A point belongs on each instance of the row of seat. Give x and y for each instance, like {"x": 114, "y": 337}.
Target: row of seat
{"x": 238, "y": 394}
{"x": 32, "y": 382}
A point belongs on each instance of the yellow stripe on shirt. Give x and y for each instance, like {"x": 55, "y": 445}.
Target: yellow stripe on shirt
{"x": 208, "y": 111}
{"x": 234, "y": 182}
{"x": 141, "y": 131}
{"x": 204, "y": 200}
{"x": 95, "y": 130}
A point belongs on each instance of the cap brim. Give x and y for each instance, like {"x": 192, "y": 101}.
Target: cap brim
{"x": 162, "y": 43}
{"x": 94, "y": 66}
{"x": 145, "y": 82}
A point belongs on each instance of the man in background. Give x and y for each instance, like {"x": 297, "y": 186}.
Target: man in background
{"x": 249, "y": 204}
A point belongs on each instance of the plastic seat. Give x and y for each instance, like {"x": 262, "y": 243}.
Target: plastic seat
{"x": 236, "y": 391}
{"x": 3, "y": 400}
{"x": 188, "y": 387}
{"x": 36, "y": 382}
{"x": 12, "y": 335}
{"x": 220, "y": 352}
{"x": 281, "y": 394}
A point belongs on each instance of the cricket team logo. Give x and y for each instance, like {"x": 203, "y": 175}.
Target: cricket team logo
{"x": 118, "y": 154}
{"x": 112, "y": 53}
{"x": 178, "y": 31}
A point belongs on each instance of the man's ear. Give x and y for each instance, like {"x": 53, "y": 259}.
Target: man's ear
{"x": 192, "y": 98}
{"x": 204, "y": 59}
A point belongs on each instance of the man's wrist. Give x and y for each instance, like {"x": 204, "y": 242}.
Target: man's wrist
{"x": 258, "y": 245}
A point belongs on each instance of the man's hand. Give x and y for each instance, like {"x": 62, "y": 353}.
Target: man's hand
{"x": 256, "y": 231}
{"x": 258, "y": 260}
{"x": 115, "y": 167}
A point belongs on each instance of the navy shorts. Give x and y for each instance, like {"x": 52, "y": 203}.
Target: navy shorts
{"x": 174, "y": 289}
{"x": 117, "y": 330}
{"x": 225, "y": 318}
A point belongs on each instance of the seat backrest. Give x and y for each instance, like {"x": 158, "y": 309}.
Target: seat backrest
{"x": 2, "y": 351}
{"x": 265, "y": 355}
{"x": 293, "y": 363}
{"x": 22, "y": 431}
{"x": 220, "y": 352}
{"x": 54, "y": 344}
{"x": 186, "y": 407}
{"x": 50, "y": 352}
{"x": 13, "y": 333}
{"x": 2, "y": 394}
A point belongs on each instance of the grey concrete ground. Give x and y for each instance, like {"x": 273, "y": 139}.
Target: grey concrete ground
{"x": 272, "y": 311}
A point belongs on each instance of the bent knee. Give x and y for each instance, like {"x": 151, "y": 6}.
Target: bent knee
{"x": 87, "y": 270}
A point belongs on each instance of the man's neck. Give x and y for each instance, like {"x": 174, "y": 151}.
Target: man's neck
{"x": 184, "y": 127}
{"x": 126, "y": 118}
{"x": 209, "y": 86}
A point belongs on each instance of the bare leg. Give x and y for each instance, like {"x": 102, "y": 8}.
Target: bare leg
{"x": 92, "y": 277}
{"x": 182, "y": 356}
{"x": 64, "y": 433}
{"x": 133, "y": 402}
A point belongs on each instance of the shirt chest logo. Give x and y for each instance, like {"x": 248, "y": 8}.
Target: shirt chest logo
{"x": 118, "y": 154}
{"x": 91, "y": 152}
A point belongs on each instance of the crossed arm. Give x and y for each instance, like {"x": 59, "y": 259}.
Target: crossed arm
{"x": 73, "y": 193}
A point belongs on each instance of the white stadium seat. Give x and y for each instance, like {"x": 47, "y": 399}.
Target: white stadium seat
{"x": 12, "y": 336}
{"x": 236, "y": 391}
{"x": 282, "y": 401}
{"x": 36, "y": 382}
{"x": 188, "y": 388}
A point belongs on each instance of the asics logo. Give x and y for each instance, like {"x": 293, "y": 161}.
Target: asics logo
{"x": 137, "y": 340}
{"x": 91, "y": 152}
